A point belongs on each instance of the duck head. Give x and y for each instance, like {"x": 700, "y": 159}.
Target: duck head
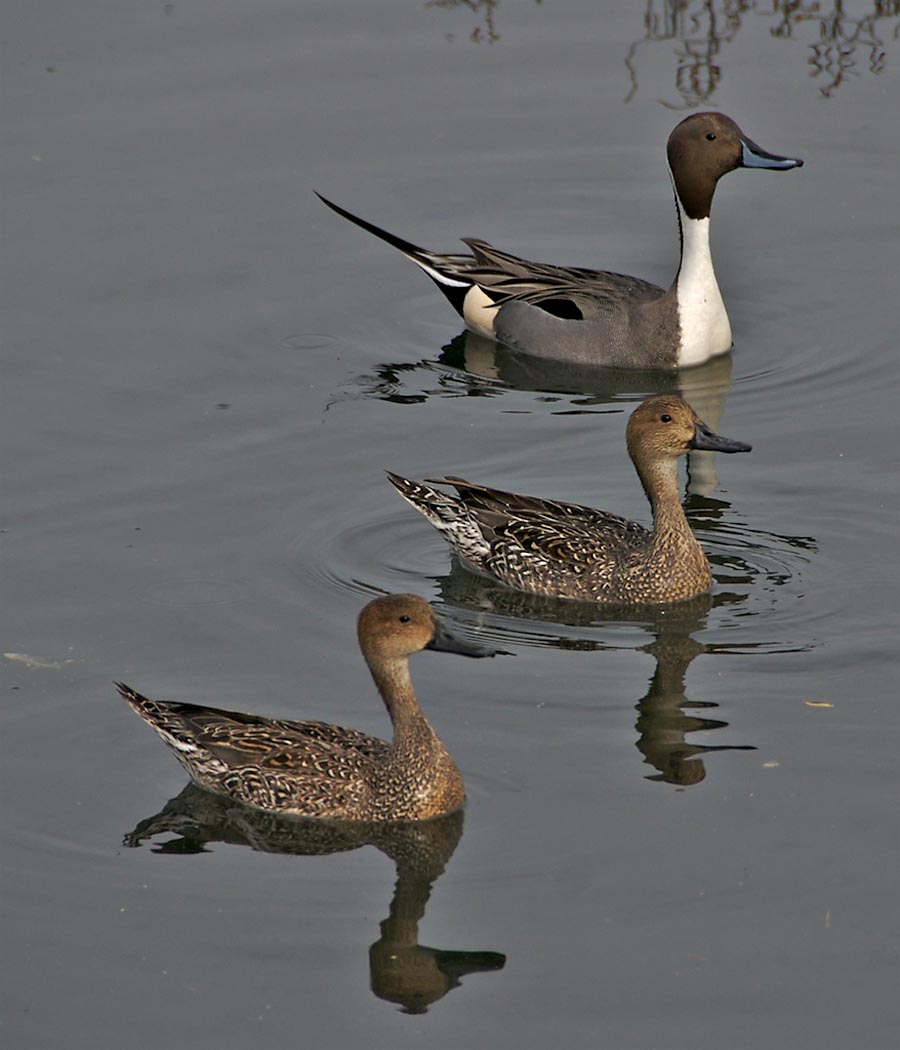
{"x": 666, "y": 427}
{"x": 399, "y": 625}
{"x": 706, "y": 146}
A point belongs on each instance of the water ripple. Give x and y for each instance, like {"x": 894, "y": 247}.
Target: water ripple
{"x": 757, "y": 604}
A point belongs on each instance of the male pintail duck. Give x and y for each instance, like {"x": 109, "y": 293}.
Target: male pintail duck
{"x": 594, "y": 317}
{"x": 562, "y": 550}
{"x": 314, "y": 769}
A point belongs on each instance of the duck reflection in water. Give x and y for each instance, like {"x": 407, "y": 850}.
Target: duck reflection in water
{"x": 401, "y": 970}
{"x": 663, "y": 712}
{"x": 666, "y": 715}
{"x": 705, "y": 387}
{"x": 474, "y": 366}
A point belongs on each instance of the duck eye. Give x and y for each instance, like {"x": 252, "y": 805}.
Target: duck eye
{"x": 665, "y": 417}
{"x": 710, "y": 136}
{"x": 404, "y": 618}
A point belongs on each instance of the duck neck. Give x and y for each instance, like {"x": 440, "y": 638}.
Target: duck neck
{"x": 396, "y": 689}
{"x": 659, "y": 478}
{"x": 703, "y": 319}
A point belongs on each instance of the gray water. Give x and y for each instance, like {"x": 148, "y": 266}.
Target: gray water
{"x": 681, "y": 829}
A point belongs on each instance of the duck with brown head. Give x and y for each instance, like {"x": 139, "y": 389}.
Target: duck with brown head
{"x": 565, "y": 550}
{"x": 315, "y": 769}
{"x": 598, "y": 317}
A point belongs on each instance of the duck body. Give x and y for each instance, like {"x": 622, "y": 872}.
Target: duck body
{"x": 315, "y": 769}
{"x": 566, "y": 550}
{"x": 596, "y": 318}
{"x": 599, "y": 317}
{"x": 561, "y": 550}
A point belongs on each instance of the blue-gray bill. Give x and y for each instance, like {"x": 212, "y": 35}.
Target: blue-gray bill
{"x": 753, "y": 156}
{"x": 707, "y": 440}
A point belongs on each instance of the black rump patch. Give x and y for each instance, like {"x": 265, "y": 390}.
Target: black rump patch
{"x": 455, "y": 295}
{"x": 564, "y": 309}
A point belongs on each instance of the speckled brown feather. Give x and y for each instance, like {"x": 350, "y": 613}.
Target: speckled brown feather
{"x": 566, "y": 550}
{"x": 317, "y": 769}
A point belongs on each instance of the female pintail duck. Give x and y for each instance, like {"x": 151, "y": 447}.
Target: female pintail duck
{"x": 595, "y": 317}
{"x": 562, "y": 550}
{"x": 314, "y": 769}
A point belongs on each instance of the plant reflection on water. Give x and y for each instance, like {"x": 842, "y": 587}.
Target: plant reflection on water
{"x": 840, "y": 44}
{"x": 401, "y": 970}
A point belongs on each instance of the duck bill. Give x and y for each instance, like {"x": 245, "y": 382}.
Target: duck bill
{"x": 753, "y": 156}
{"x": 706, "y": 440}
{"x": 447, "y": 641}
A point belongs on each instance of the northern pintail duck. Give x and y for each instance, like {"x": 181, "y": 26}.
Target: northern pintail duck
{"x": 315, "y": 769}
{"x": 595, "y": 317}
{"x": 563, "y": 550}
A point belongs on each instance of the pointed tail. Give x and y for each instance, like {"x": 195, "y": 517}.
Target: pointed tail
{"x": 444, "y": 270}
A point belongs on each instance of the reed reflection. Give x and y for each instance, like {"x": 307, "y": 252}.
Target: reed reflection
{"x": 697, "y": 31}
{"x": 401, "y": 970}
{"x": 485, "y": 30}
{"x": 840, "y": 44}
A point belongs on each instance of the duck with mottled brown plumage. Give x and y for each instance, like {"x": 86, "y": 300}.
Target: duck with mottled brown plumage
{"x": 314, "y": 769}
{"x": 564, "y": 550}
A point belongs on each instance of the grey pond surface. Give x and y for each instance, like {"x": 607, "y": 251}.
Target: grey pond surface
{"x": 681, "y": 829}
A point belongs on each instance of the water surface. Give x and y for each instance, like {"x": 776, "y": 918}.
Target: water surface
{"x": 681, "y": 829}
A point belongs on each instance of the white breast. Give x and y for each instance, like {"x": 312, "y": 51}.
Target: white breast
{"x": 705, "y": 328}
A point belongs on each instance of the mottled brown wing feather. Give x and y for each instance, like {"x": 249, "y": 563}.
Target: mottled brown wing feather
{"x": 275, "y": 743}
{"x": 552, "y": 528}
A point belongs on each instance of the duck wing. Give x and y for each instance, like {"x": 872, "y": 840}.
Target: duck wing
{"x": 231, "y": 739}
{"x": 508, "y": 278}
{"x": 241, "y": 739}
{"x": 535, "y": 529}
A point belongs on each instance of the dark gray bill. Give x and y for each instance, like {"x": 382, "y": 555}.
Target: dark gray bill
{"x": 706, "y": 440}
{"x": 753, "y": 156}
{"x": 447, "y": 641}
